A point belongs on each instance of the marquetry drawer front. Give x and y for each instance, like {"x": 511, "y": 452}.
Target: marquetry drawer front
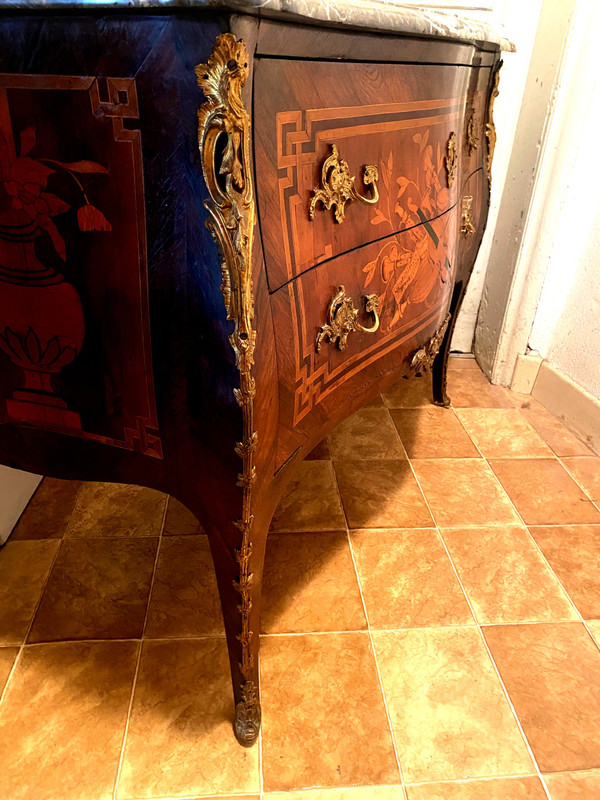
{"x": 405, "y": 121}
{"x": 399, "y": 286}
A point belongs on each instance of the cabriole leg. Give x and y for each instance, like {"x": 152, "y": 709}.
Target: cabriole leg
{"x": 440, "y": 364}
{"x": 239, "y": 578}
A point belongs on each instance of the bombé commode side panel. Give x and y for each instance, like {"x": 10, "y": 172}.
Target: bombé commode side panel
{"x": 116, "y": 272}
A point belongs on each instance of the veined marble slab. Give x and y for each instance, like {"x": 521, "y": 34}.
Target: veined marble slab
{"x": 372, "y": 14}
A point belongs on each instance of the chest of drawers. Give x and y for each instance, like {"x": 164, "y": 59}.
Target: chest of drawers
{"x": 220, "y": 234}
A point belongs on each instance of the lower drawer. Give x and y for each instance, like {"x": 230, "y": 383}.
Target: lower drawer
{"x": 410, "y": 273}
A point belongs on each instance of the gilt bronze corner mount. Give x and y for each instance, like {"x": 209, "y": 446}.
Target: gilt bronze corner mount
{"x": 490, "y": 127}
{"x": 232, "y": 218}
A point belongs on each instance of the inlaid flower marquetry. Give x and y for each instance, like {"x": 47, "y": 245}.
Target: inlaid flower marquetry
{"x": 411, "y": 265}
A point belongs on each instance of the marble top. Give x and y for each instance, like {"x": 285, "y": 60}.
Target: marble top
{"x": 372, "y": 14}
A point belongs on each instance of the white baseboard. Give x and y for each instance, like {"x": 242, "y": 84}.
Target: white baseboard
{"x": 16, "y": 489}
{"x": 526, "y": 372}
{"x": 576, "y": 408}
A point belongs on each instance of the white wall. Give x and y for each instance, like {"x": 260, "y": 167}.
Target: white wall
{"x": 566, "y": 327}
{"x": 520, "y": 19}
{"x": 16, "y": 488}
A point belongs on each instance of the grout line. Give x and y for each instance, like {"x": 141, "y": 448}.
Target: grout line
{"x": 139, "y": 655}
{"x": 595, "y": 503}
{"x": 43, "y": 589}
{"x": 482, "y": 637}
{"x": 33, "y": 615}
{"x": 559, "y": 582}
{"x": 482, "y": 778}
{"x": 368, "y": 631}
{"x": 537, "y": 547}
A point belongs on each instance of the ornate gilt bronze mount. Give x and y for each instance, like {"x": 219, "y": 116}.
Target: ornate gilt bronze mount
{"x": 232, "y": 217}
{"x": 451, "y": 159}
{"x": 422, "y": 360}
{"x": 471, "y": 138}
{"x": 343, "y": 319}
{"x": 490, "y": 128}
{"x": 337, "y": 186}
{"x": 467, "y": 228}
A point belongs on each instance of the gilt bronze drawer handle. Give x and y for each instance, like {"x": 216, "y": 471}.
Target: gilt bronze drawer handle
{"x": 337, "y": 186}
{"x": 467, "y": 228}
{"x": 451, "y": 159}
{"x": 343, "y": 319}
{"x": 472, "y": 138}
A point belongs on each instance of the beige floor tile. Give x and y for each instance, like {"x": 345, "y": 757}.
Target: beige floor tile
{"x": 553, "y": 432}
{"x": 309, "y": 584}
{"x": 502, "y": 433}
{"x": 594, "y": 626}
{"x": 311, "y": 502}
{"x": 98, "y": 589}
{"x": 552, "y": 674}
{"x": 574, "y": 785}
{"x": 48, "y": 511}
{"x": 24, "y": 567}
{"x": 573, "y": 552}
{"x": 116, "y": 509}
{"x": 63, "y": 719}
{"x": 409, "y": 393}
{"x": 185, "y": 599}
{"x": 586, "y": 472}
{"x": 180, "y": 739}
{"x": 351, "y": 793}
{"x": 324, "y": 721}
{"x": 407, "y": 579}
{"x": 319, "y": 453}
{"x": 433, "y": 432}
{"x": 7, "y": 659}
{"x": 505, "y": 577}
{"x": 471, "y": 389}
{"x": 369, "y": 433}
{"x": 179, "y": 521}
{"x": 463, "y": 362}
{"x": 463, "y": 492}
{"x": 450, "y": 716}
{"x": 495, "y": 789}
{"x": 543, "y": 491}
{"x": 381, "y": 494}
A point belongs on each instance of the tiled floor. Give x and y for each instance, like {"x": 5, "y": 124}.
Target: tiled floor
{"x": 431, "y": 598}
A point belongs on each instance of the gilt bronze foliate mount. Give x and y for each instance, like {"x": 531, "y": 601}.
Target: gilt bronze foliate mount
{"x": 337, "y": 186}
{"x": 422, "y": 360}
{"x": 231, "y": 221}
{"x": 342, "y": 319}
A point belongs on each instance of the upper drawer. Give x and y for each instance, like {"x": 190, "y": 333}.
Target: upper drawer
{"x": 396, "y": 117}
